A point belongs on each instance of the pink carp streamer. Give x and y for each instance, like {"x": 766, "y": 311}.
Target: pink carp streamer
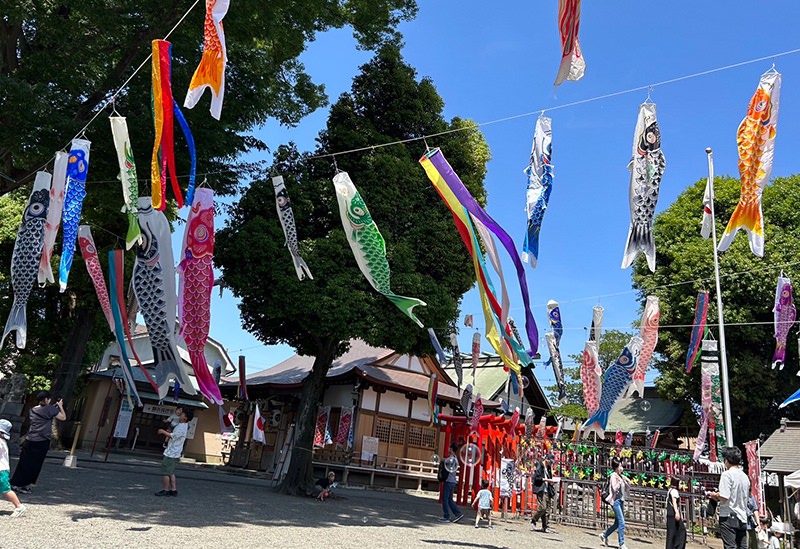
{"x": 92, "y": 262}
{"x": 649, "y": 334}
{"x": 196, "y": 279}
{"x": 590, "y": 377}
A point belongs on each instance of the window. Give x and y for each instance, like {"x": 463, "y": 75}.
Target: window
{"x": 390, "y": 432}
{"x": 382, "y": 428}
{"x": 421, "y": 437}
{"x": 398, "y": 433}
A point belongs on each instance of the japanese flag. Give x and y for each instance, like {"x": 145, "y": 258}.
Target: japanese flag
{"x": 258, "y": 427}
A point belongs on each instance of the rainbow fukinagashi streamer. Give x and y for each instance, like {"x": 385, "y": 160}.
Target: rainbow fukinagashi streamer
{"x": 165, "y": 112}
{"x": 210, "y": 73}
{"x": 755, "y": 140}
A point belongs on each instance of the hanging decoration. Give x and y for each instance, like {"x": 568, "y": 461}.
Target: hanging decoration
{"x": 514, "y": 421}
{"x": 286, "y": 216}
{"x": 368, "y": 245}
{"x": 529, "y": 422}
{"x": 492, "y": 310}
{"x": 647, "y": 168}
{"x": 433, "y": 392}
{"x": 708, "y": 219}
{"x": 92, "y": 262}
{"x": 616, "y": 380}
{"x": 77, "y": 170}
{"x": 466, "y": 400}
{"x": 438, "y": 170}
{"x": 555, "y": 360}
{"x": 784, "y": 313}
{"x": 710, "y": 360}
{"x": 26, "y": 256}
{"x": 345, "y": 424}
{"x": 210, "y": 73}
{"x": 649, "y": 334}
{"x": 515, "y": 331}
{"x": 573, "y": 66}
{"x": 468, "y": 321}
{"x": 590, "y": 377}
{"x": 241, "y": 392}
{"x": 752, "y": 450}
{"x": 195, "y": 282}
{"x": 127, "y": 175}
{"x": 116, "y": 266}
{"x": 154, "y": 284}
{"x": 755, "y": 140}
{"x": 477, "y": 413}
{"x": 554, "y": 316}
{"x": 597, "y": 324}
{"x": 57, "y": 187}
{"x": 476, "y": 353}
{"x": 165, "y": 112}
{"x": 540, "y": 185}
{"x": 698, "y": 328}
{"x": 457, "y": 360}
{"x": 321, "y": 427}
{"x": 437, "y": 347}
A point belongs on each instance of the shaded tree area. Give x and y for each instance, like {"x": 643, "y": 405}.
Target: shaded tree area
{"x": 59, "y": 60}
{"x": 427, "y": 258}
{"x": 685, "y": 266}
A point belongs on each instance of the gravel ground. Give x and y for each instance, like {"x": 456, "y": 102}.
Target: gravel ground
{"x": 112, "y": 505}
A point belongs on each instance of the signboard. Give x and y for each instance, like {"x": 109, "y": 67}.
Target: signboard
{"x": 369, "y": 448}
{"x": 158, "y": 410}
{"x": 123, "y": 419}
{"x": 192, "y": 427}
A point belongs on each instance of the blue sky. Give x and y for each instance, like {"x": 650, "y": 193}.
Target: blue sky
{"x": 489, "y": 64}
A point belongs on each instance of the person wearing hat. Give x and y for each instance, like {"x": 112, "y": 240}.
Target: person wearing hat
{"x": 5, "y": 486}
{"x": 37, "y": 441}
{"x": 545, "y": 490}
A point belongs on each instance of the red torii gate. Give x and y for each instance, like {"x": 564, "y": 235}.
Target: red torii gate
{"x": 495, "y": 441}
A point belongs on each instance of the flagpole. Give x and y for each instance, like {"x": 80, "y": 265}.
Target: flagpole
{"x": 726, "y": 398}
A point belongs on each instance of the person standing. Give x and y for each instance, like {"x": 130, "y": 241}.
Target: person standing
{"x": 5, "y": 487}
{"x": 172, "y": 454}
{"x": 676, "y": 530}
{"x": 449, "y": 487}
{"x": 544, "y": 488}
{"x": 37, "y": 441}
{"x": 734, "y": 490}
{"x": 620, "y": 486}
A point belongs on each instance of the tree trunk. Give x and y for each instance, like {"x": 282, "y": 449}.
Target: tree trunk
{"x": 66, "y": 375}
{"x": 299, "y": 479}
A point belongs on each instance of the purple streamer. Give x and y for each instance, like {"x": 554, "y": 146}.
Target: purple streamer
{"x": 466, "y": 199}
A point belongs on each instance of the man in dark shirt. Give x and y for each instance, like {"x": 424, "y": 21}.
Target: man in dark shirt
{"x": 544, "y": 488}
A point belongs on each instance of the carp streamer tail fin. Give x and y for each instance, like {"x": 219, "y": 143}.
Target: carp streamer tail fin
{"x": 407, "y": 304}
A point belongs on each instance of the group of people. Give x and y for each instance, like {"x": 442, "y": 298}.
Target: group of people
{"x": 36, "y": 444}
{"x": 740, "y": 525}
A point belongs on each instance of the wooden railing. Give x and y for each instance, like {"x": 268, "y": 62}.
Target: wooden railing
{"x": 382, "y": 466}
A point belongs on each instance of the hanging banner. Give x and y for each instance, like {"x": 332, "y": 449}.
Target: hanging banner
{"x": 123, "y": 419}
{"x": 322, "y": 426}
{"x": 698, "y": 328}
{"x": 710, "y": 364}
{"x": 343, "y": 433}
{"x": 752, "y": 450}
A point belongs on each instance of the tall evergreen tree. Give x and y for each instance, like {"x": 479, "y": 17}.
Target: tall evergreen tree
{"x": 428, "y": 260}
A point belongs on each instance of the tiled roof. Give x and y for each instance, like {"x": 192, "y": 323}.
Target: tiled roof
{"x": 783, "y": 449}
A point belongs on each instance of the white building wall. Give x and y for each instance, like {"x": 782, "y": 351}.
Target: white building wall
{"x": 394, "y": 404}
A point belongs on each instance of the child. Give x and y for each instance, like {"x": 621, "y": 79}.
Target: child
{"x": 5, "y": 487}
{"x": 323, "y": 486}
{"x": 485, "y": 501}
{"x": 173, "y": 421}
{"x": 172, "y": 454}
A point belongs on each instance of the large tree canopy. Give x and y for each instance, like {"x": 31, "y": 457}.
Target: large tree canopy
{"x": 58, "y": 60}
{"x": 685, "y": 266}
{"x": 427, "y": 258}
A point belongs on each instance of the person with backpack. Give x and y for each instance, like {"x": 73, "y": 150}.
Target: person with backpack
{"x": 448, "y": 476}
{"x": 618, "y": 489}
{"x": 545, "y": 490}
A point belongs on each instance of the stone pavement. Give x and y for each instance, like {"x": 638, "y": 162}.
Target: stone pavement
{"x": 112, "y": 505}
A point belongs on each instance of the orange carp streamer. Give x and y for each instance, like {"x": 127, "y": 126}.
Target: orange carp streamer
{"x": 210, "y": 73}
{"x": 756, "y": 143}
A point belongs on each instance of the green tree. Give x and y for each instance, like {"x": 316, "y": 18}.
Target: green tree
{"x": 428, "y": 260}
{"x": 611, "y": 344}
{"x": 59, "y": 60}
{"x": 685, "y": 266}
